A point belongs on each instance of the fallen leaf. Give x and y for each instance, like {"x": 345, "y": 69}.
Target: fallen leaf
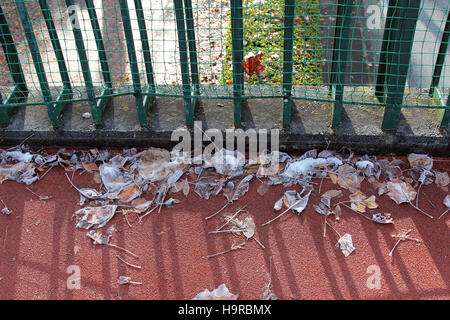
{"x": 220, "y": 293}
{"x": 96, "y": 217}
{"x": 400, "y": 191}
{"x": 89, "y": 166}
{"x": 420, "y": 161}
{"x": 380, "y": 218}
{"x": 442, "y": 179}
{"x": 129, "y": 193}
{"x": 346, "y": 244}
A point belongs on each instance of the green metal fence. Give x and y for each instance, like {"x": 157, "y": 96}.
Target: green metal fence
{"x": 389, "y": 53}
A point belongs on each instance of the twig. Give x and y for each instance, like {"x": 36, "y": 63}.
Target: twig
{"x": 129, "y": 264}
{"x": 233, "y": 247}
{"x": 403, "y": 235}
{"x": 40, "y": 197}
{"x": 231, "y": 218}
{"x": 148, "y": 212}
{"x": 444, "y": 213}
{"x": 420, "y": 210}
{"x": 216, "y": 213}
{"x": 126, "y": 219}
{"x": 116, "y": 246}
{"x": 278, "y": 216}
{"x": 45, "y": 173}
{"x": 418, "y": 194}
{"x": 428, "y": 199}
{"x": 415, "y": 207}
{"x": 227, "y": 230}
{"x": 339, "y": 235}
{"x": 257, "y": 241}
{"x": 23, "y": 141}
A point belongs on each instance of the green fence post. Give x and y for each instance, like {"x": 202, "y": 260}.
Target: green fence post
{"x": 99, "y": 41}
{"x": 386, "y": 47}
{"x": 190, "y": 30}
{"x": 441, "y": 56}
{"x": 187, "y": 92}
{"x": 288, "y": 59}
{"x": 96, "y": 110}
{"x": 38, "y": 64}
{"x": 137, "y": 88}
{"x": 237, "y": 43}
{"x": 434, "y": 91}
{"x": 20, "y": 91}
{"x": 150, "y": 95}
{"x": 405, "y": 15}
{"x": 446, "y": 115}
{"x": 340, "y": 53}
{"x": 66, "y": 92}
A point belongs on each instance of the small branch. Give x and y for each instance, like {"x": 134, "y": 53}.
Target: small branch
{"x": 443, "y": 213}
{"x": 129, "y": 264}
{"x": 239, "y": 246}
{"x": 278, "y": 216}
{"x": 231, "y": 218}
{"x": 257, "y": 241}
{"x": 129, "y": 252}
{"x": 45, "y": 173}
{"x": 216, "y": 213}
{"x": 339, "y": 235}
{"x": 396, "y": 244}
{"x": 40, "y": 197}
{"x": 227, "y": 230}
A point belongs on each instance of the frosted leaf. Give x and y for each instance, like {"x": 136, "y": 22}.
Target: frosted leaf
{"x": 220, "y": 293}
{"x": 277, "y": 206}
{"x": 421, "y": 161}
{"x": 97, "y": 237}
{"x": 96, "y": 217}
{"x": 346, "y": 244}
{"x": 380, "y": 218}
{"x": 400, "y": 191}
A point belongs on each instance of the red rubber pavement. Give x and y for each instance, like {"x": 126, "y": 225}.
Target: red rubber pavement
{"x": 39, "y": 242}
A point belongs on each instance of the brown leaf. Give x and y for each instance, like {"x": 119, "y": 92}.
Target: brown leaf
{"x": 89, "y": 166}
{"x": 400, "y": 191}
{"x": 442, "y": 179}
{"x": 129, "y": 193}
{"x": 331, "y": 194}
{"x": 420, "y": 161}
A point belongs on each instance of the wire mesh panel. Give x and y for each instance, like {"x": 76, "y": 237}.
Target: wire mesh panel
{"x": 376, "y": 52}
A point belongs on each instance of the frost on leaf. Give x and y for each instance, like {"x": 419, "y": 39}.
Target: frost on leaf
{"x": 96, "y": 217}
{"x": 380, "y": 218}
{"x": 228, "y": 162}
{"x": 348, "y": 177}
{"x": 421, "y": 161}
{"x": 400, "y": 191}
{"x": 277, "y": 206}
{"x": 97, "y": 237}
{"x": 442, "y": 179}
{"x": 346, "y": 244}
{"x": 220, "y": 293}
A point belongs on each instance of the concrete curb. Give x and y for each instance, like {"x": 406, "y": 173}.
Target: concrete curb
{"x": 360, "y": 130}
